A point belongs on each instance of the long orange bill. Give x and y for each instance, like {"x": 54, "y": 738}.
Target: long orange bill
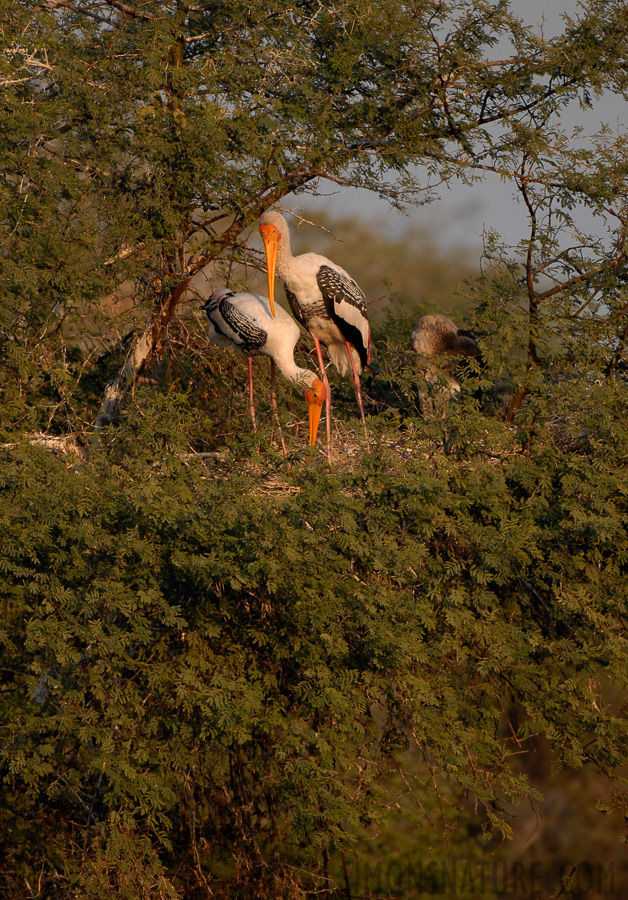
{"x": 314, "y": 414}
{"x": 271, "y": 246}
{"x": 315, "y": 400}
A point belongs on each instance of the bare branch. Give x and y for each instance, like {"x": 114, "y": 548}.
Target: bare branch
{"x": 609, "y": 266}
{"x": 59, "y": 443}
{"x": 124, "y": 253}
{"x": 67, "y": 4}
{"x": 116, "y": 392}
{"x": 117, "y": 4}
{"x": 129, "y": 10}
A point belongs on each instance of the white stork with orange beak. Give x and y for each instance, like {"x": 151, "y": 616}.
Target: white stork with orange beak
{"x": 325, "y": 300}
{"x": 244, "y": 322}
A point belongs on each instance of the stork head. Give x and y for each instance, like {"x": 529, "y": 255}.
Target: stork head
{"x": 218, "y": 296}
{"x": 315, "y": 397}
{"x": 273, "y": 228}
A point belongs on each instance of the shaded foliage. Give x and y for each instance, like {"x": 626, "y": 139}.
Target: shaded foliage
{"x": 210, "y": 673}
{"x": 222, "y": 672}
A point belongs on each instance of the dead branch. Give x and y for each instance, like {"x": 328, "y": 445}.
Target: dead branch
{"x": 121, "y": 7}
{"x": 63, "y": 443}
{"x": 116, "y": 392}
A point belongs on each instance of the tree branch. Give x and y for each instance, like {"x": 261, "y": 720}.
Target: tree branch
{"x": 584, "y": 277}
{"x": 117, "y": 4}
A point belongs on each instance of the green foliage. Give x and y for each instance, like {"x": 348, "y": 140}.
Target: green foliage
{"x": 138, "y": 145}
{"x": 409, "y": 269}
{"x": 222, "y": 673}
{"x": 209, "y": 678}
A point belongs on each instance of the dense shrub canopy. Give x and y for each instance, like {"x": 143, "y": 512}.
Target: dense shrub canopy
{"x": 223, "y": 669}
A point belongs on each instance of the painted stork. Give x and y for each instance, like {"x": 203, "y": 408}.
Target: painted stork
{"x": 245, "y": 322}
{"x": 325, "y": 300}
{"x": 437, "y": 336}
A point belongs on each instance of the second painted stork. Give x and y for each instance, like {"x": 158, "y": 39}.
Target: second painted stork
{"x": 325, "y": 300}
{"x": 244, "y": 322}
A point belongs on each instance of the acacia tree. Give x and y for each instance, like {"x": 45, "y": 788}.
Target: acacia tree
{"x": 141, "y": 142}
{"x": 180, "y": 717}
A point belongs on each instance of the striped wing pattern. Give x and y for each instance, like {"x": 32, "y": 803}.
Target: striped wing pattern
{"x": 251, "y": 337}
{"x": 347, "y": 306}
{"x": 217, "y": 332}
{"x": 341, "y": 290}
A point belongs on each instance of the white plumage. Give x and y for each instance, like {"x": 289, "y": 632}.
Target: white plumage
{"x": 323, "y": 297}
{"x": 244, "y": 322}
{"x": 325, "y": 300}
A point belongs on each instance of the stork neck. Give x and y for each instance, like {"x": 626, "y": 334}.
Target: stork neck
{"x": 301, "y": 377}
{"x": 284, "y": 252}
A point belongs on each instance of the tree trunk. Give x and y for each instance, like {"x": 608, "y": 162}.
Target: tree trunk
{"x": 116, "y": 392}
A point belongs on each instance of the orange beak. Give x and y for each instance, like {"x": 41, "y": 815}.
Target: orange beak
{"x": 271, "y": 246}
{"x": 315, "y": 397}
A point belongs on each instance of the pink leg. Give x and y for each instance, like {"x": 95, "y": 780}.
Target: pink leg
{"x": 327, "y": 396}
{"x": 273, "y": 402}
{"x": 356, "y": 385}
{"x": 251, "y": 404}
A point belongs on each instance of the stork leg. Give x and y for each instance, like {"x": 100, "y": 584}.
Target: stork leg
{"x": 273, "y": 401}
{"x": 327, "y": 396}
{"x": 251, "y": 404}
{"x": 356, "y": 385}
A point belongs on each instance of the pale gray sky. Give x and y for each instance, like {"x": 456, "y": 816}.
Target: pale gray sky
{"x": 461, "y": 213}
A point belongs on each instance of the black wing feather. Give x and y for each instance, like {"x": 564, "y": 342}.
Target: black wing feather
{"x": 253, "y": 338}
{"x": 340, "y": 289}
{"x": 337, "y": 289}
{"x": 297, "y": 312}
{"x": 211, "y": 308}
